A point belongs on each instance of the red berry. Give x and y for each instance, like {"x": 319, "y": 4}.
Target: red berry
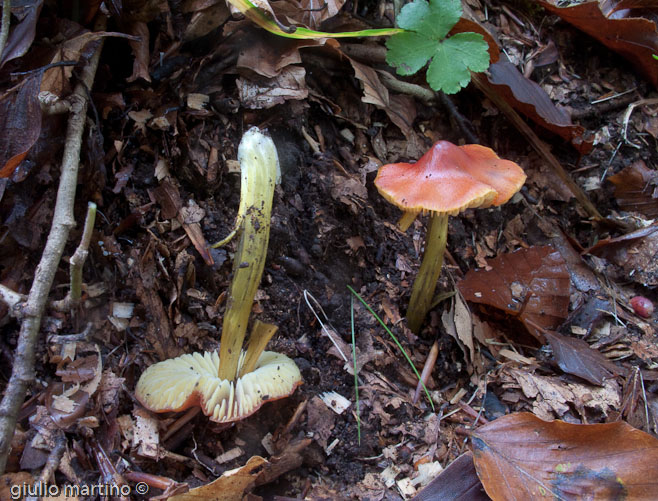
{"x": 642, "y": 306}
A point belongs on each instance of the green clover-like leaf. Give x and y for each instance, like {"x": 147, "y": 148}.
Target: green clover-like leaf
{"x": 453, "y": 58}
{"x": 427, "y": 25}
{"x": 434, "y": 19}
{"x": 409, "y": 52}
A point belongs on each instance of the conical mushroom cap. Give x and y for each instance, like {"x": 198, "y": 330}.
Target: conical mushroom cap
{"x": 449, "y": 179}
{"x": 188, "y": 380}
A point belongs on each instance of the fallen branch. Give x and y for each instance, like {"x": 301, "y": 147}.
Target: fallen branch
{"x": 23, "y": 370}
{"x": 4, "y": 25}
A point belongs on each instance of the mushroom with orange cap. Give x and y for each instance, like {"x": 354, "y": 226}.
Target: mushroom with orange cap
{"x": 445, "y": 181}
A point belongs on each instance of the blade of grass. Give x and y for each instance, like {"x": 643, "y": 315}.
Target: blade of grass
{"x": 265, "y": 21}
{"x": 307, "y": 295}
{"x": 381, "y": 322}
{"x": 356, "y": 377}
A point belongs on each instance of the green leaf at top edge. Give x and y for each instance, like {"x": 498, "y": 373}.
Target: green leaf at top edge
{"x": 433, "y": 20}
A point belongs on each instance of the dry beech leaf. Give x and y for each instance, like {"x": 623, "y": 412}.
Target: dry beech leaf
{"x": 231, "y": 485}
{"x": 635, "y": 38}
{"x": 524, "y": 95}
{"x": 310, "y": 13}
{"x": 575, "y": 356}
{"x": 205, "y": 20}
{"x": 264, "y": 93}
{"x": 636, "y": 189}
{"x": 531, "y": 284}
{"x": 636, "y": 253}
{"x": 520, "y": 457}
{"x": 20, "y": 122}
{"x": 80, "y": 370}
{"x": 22, "y": 35}
{"x": 458, "y": 482}
{"x": 140, "y": 48}
{"x": 65, "y": 407}
{"x": 267, "y": 55}
{"x": 400, "y": 109}
{"x": 531, "y": 100}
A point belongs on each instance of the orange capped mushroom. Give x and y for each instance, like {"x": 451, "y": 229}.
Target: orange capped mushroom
{"x": 445, "y": 181}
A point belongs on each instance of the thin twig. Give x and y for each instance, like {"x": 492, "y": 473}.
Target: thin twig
{"x": 76, "y": 263}
{"x": 539, "y": 146}
{"x": 54, "y": 457}
{"x": 11, "y": 298}
{"x": 462, "y": 121}
{"x": 4, "y": 25}
{"x": 427, "y": 370}
{"x": 63, "y": 220}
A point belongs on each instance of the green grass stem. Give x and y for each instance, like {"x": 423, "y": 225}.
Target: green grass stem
{"x": 356, "y": 375}
{"x": 381, "y": 322}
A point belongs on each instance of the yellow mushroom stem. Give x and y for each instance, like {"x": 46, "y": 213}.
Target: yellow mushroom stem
{"x": 259, "y": 165}
{"x": 425, "y": 284}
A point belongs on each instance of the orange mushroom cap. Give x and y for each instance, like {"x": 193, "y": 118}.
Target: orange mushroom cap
{"x": 449, "y": 179}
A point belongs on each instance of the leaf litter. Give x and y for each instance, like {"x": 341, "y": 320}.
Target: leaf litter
{"x": 170, "y": 108}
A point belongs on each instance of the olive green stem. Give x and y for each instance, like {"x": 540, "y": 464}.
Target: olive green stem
{"x": 261, "y": 333}
{"x": 259, "y": 166}
{"x": 430, "y": 269}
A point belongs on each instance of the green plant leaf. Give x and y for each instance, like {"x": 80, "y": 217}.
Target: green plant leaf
{"x": 427, "y": 25}
{"x": 409, "y": 62}
{"x": 454, "y": 57}
{"x": 434, "y": 19}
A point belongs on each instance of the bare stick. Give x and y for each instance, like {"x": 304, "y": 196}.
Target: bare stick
{"x": 77, "y": 261}
{"x": 23, "y": 370}
{"x": 427, "y": 369}
{"x": 10, "y": 298}
{"x": 54, "y": 458}
{"x": 4, "y": 25}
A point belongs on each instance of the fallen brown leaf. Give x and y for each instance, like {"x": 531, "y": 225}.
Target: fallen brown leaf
{"x": 521, "y": 457}
{"x": 636, "y": 189}
{"x": 531, "y": 283}
{"x": 20, "y": 121}
{"x": 230, "y": 486}
{"x": 611, "y": 23}
{"x": 531, "y": 100}
{"x": 458, "y": 482}
{"x": 575, "y": 356}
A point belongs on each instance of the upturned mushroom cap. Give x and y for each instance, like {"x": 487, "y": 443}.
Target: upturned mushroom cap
{"x": 449, "y": 179}
{"x": 180, "y": 383}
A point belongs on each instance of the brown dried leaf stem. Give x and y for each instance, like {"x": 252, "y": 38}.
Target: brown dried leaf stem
{"x": 539, "y": 146}
{"x": 23, "y": 370}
